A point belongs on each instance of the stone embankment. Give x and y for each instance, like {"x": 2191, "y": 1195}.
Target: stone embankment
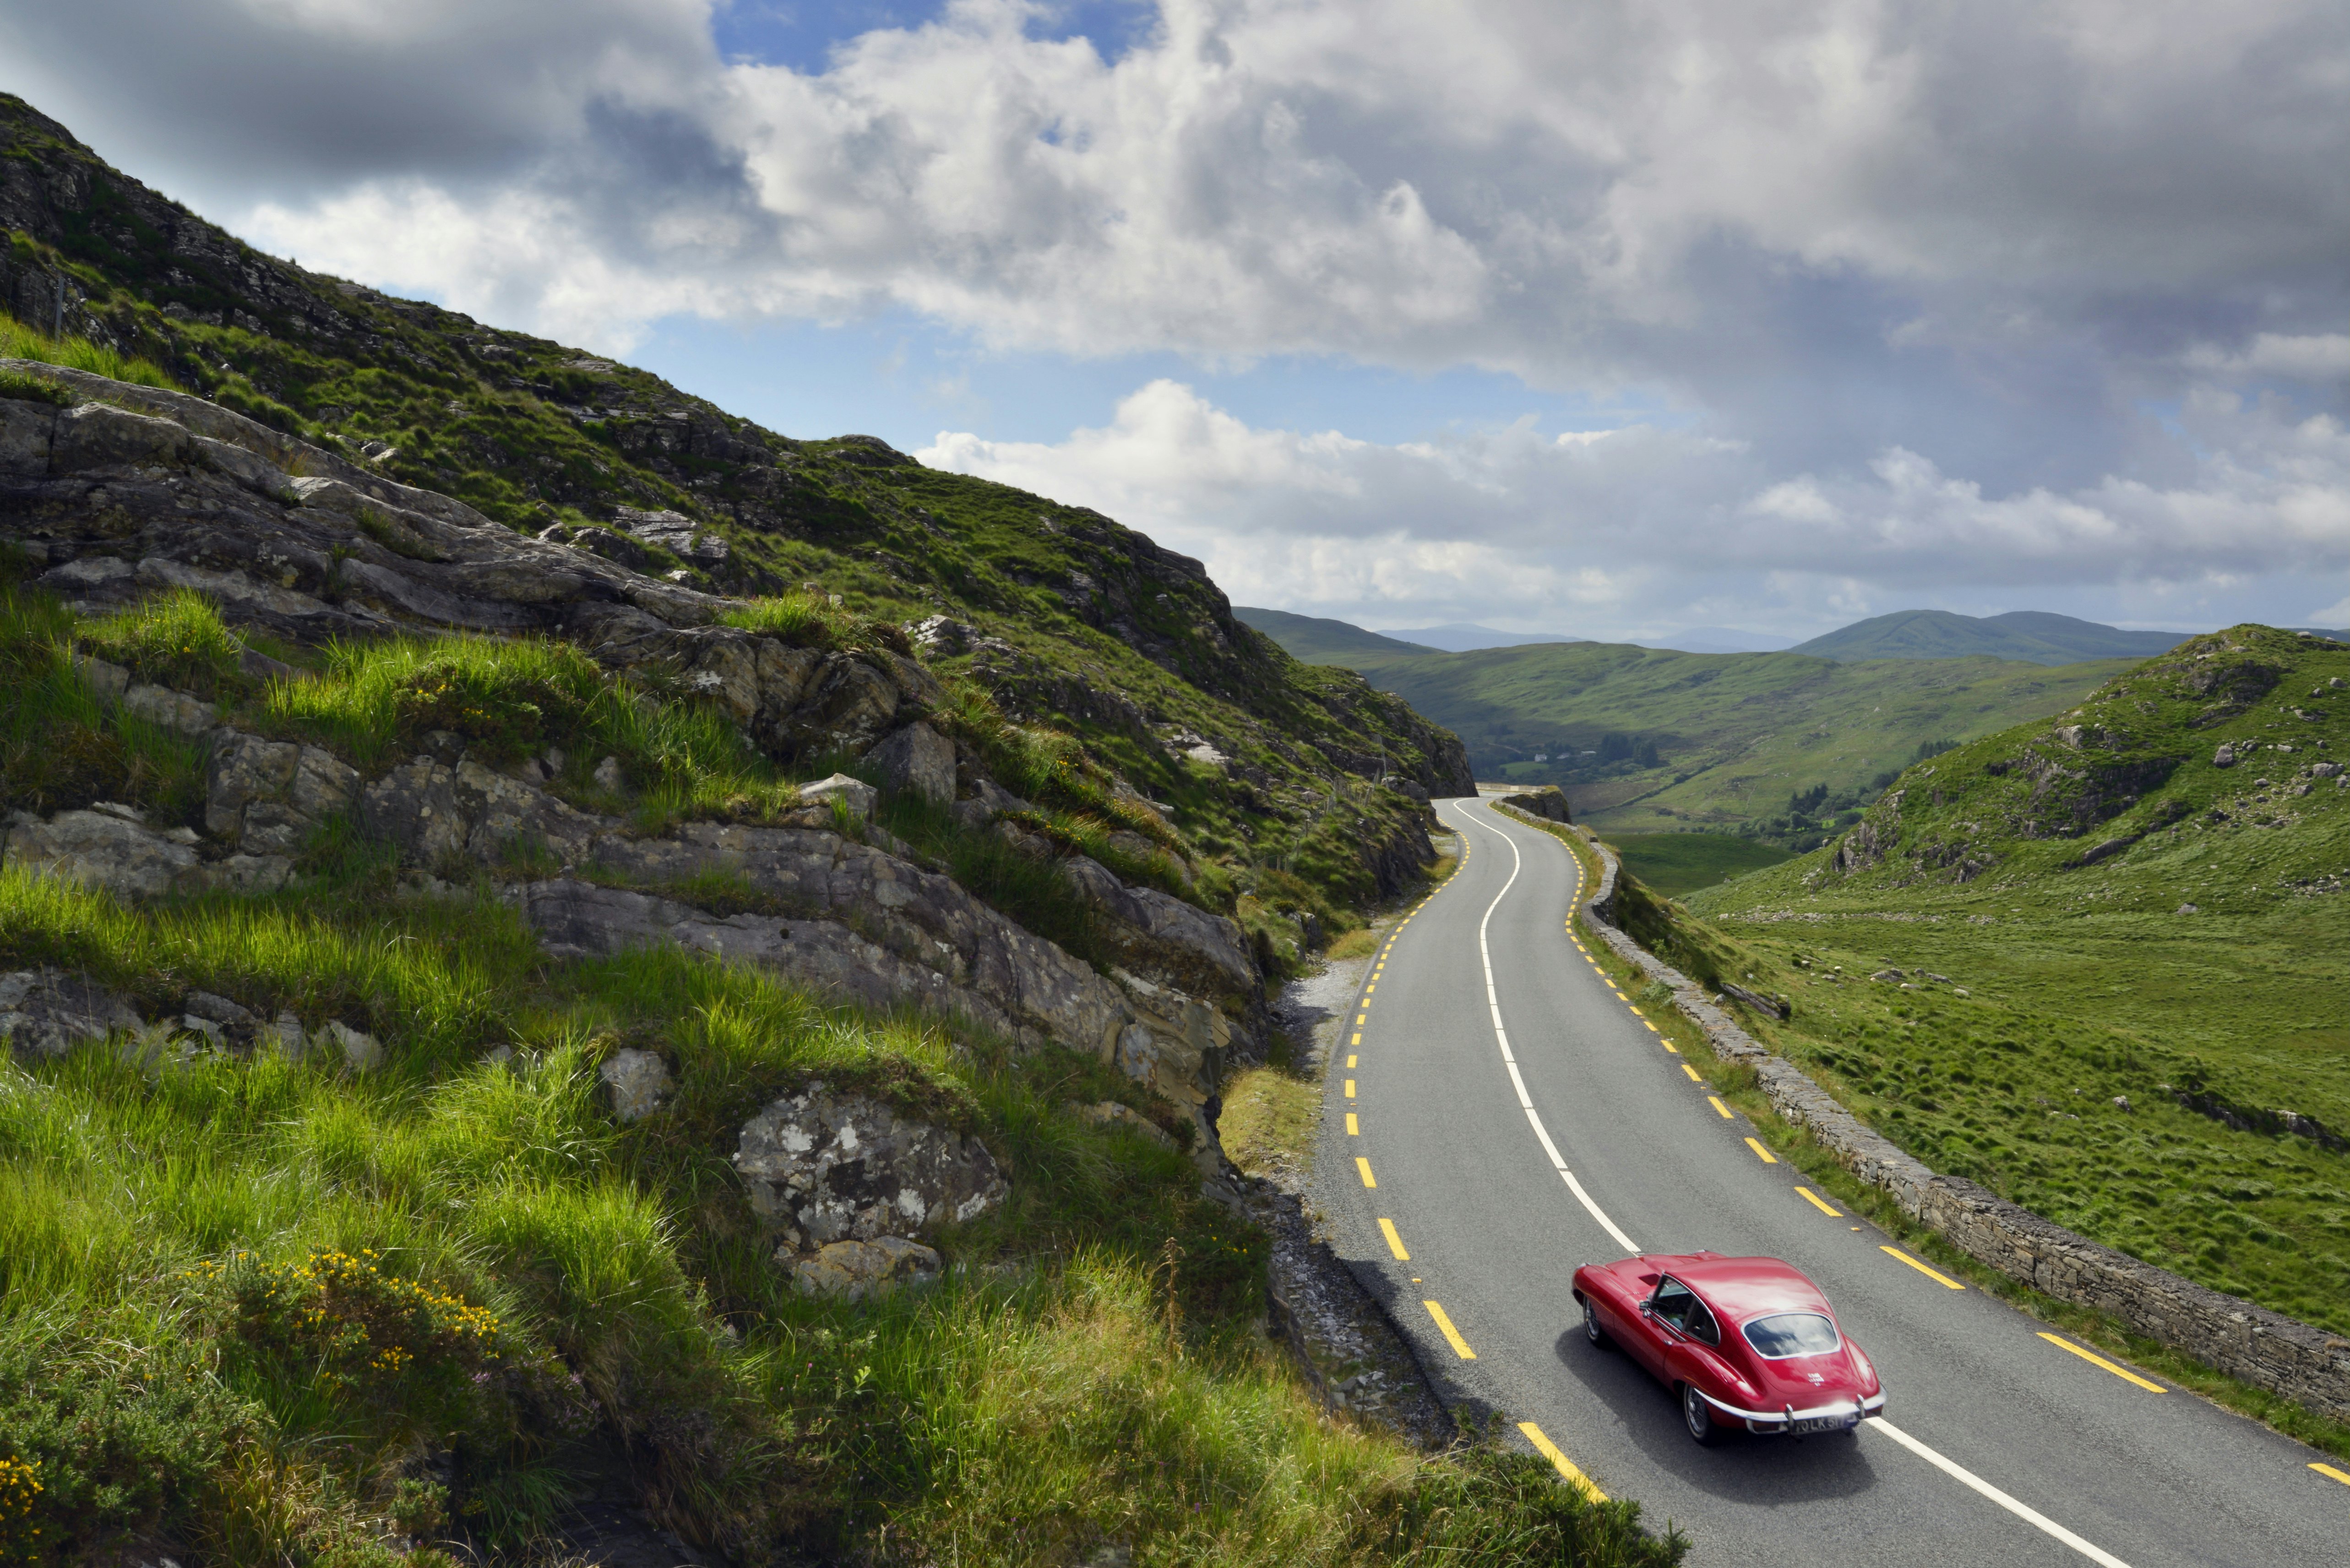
{"x": 2265, "y": 1349}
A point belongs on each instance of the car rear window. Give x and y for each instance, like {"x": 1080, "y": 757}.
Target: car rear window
{"x": 1786, "y": 1334}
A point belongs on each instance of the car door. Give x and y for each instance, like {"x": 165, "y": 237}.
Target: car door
{"x": 1694, "y": 1354}
{"x": 1664, "y": 1317}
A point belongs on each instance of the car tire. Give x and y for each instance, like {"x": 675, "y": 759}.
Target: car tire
{"x": 1591, "y": 1329}
{"x": 1698, "y": 1416}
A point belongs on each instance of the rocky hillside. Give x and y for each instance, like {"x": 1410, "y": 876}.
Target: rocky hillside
{"x": 2240, "y": 734}
{"x": 1066, "y": 618}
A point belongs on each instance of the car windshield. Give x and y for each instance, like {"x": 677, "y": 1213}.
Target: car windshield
{"x": 1791, "y": 1334}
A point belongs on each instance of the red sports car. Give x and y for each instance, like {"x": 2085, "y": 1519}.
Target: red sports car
{"x": 1739, "y": 1341}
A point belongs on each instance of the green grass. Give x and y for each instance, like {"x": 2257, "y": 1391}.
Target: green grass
{"x": 19, "y": 341}
{"x": 266, "y": 1284}
{"x": 1678, "y": 863}
{"x": 1703, "y": 950}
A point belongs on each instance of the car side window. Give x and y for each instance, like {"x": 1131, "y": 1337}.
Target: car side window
{"x": 1672, "y": 1302}
{"x": 1700, "y": 1324}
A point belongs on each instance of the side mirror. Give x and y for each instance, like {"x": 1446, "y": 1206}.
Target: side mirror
{"x": 1647, "y": 1309}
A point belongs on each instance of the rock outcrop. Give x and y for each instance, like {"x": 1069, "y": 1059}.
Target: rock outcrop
{"x": 45, "y": 1013}
{"x": 1549, "y": 802}
{"x": 822, "y": 1167}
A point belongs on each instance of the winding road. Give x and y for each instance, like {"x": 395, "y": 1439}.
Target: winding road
{"x": 1498, "y": 1114}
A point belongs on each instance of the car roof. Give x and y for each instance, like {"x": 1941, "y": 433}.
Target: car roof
{"x": 1743, "y": 1288}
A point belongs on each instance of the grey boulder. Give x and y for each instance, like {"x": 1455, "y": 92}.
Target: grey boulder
{"x": 821, "y": 1167}
{"x": 638, "y": 1081}
{"x": 917, "y": 759}
{"x": 107, "y": 848}
{"x": 45, "y": 1013}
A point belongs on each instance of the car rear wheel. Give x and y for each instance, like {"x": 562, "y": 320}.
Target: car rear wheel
{"x": 1591, "y": 1329}
{"x": 1698, "y": 1416}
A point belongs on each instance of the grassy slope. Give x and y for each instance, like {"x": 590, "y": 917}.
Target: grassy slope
{"x": 2086, "y": 984}
{"x": 1740, "y": 731}
{"x": 537, "y": 434}
{"x": 270, "y": 1313}
{"x": 1678, "y": 863}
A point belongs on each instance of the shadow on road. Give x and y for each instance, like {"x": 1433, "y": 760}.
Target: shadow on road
{"x": 1766, "y": 1471}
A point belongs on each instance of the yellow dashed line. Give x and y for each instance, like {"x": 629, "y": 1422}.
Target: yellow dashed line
{"x": 1722, "y": 1109}
{"x": 1351, "y": 1088}
{"x": 1756, "y": 1145}
{"x": 1565, "y": 1465}
{"x": 1395, "y": 1242}
{"x": 1929, "y": 1274}
{"x": 1350, "y": 1062}
{"x": 1818, "y": 1202}
{"x": 1365, "y": 1167}
{"x": 1358, "y": 1040}
{"x": 1451, "y": 1334}
{"x": 2342, "y": 1476}
{"x": 2095, "y": 1359}
{"x": 1352, "y": 1130}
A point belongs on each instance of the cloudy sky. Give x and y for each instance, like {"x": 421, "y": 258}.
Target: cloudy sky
{"x": 1610, "y": 318}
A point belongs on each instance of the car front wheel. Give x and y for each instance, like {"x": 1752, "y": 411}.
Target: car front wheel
{"x": 1698, "y": 1416}
{"x": 1591, "y": 1329}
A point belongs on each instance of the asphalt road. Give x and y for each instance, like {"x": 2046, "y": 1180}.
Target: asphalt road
{"x": 2114, "y": 1472}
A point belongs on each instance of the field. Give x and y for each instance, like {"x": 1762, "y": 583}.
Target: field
{"x": 1678, "y": 863}
{"x": 2195, "y": 973}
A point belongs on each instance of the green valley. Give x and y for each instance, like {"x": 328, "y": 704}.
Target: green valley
{"x": 1649, "y": 740}
{"x": 2095, "y": 964}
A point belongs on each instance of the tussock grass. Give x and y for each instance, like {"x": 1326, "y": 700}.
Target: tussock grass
{"x": 60, "y": 746}
{"x": 175, "y": 638}
{"x": 19, "y": 341}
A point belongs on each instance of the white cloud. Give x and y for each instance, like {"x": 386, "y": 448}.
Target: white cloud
{"x": 2310, "y": 357}
{"x": 1911, "y": 273}
{"x": 1624, "y": 530}
{"x": 1547, "y": 189}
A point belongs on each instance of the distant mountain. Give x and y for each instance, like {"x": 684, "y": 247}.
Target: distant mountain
{"x": 2035, "y": 636}
{"x": 1460, "y": 637}
{"x": 1318, "y": 642}
{"x": 1720, "y": 640}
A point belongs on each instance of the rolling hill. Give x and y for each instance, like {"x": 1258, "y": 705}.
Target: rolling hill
{"x": 2143, "y": 896}
{"x": 1317, "y": 641}
{"x": 1650, "y": 740}
{"x": 2035, "y": 636}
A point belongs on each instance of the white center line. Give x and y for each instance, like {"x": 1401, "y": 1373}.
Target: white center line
{"x": 1950, "y": 1468}
{"x": 1968, "y": 1477}
{"x": 1501, "y": 1037}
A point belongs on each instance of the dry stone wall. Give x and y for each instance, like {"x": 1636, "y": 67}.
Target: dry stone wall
{"x": 2266, "y": 1349}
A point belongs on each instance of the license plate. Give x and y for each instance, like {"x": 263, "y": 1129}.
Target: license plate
{"x": 1825, "y": 1423}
